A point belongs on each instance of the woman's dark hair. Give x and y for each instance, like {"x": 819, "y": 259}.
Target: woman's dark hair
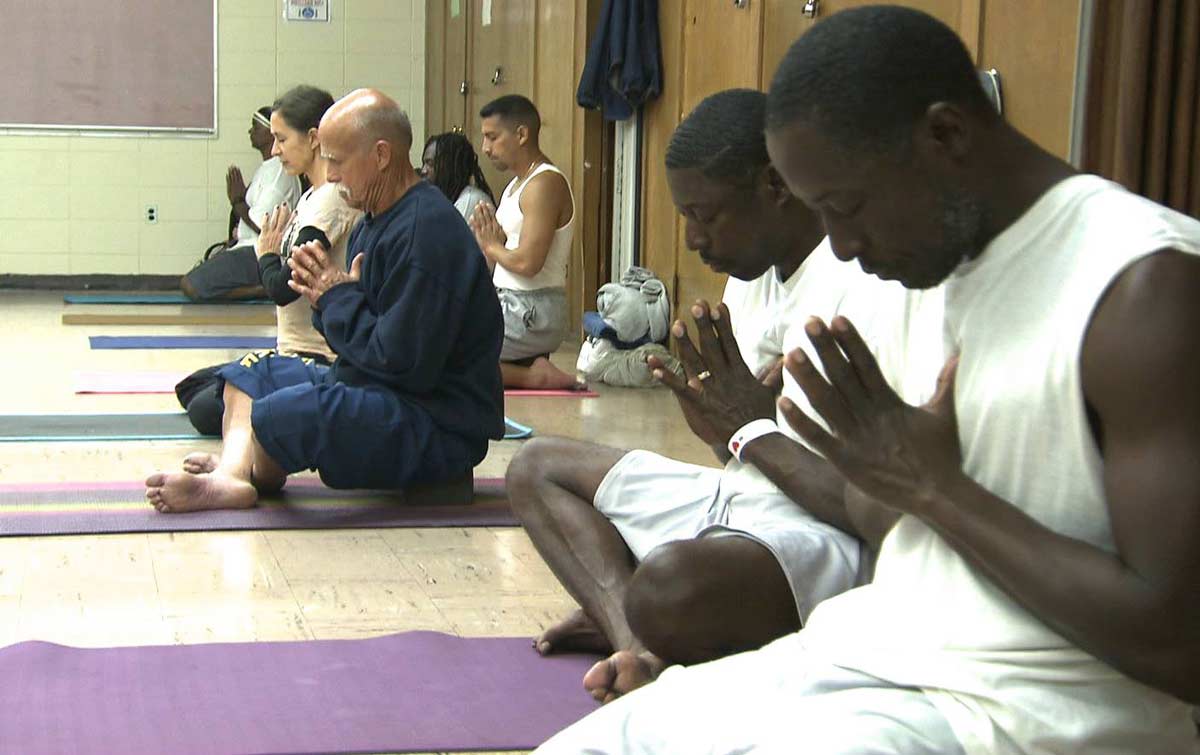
{"x": 301, "y": 107}
{"x": 455, "y": 164}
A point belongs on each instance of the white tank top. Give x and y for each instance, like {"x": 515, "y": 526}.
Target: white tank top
{"x": 1018, "y": 314}
{"x": 554, "y": 273}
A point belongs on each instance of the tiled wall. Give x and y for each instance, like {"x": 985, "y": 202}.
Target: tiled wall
{"x": 74, "y": 204}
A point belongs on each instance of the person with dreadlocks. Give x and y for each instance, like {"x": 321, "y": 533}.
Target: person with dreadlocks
{"x": 449, "y": 162}
{"x": 679, "y": 563}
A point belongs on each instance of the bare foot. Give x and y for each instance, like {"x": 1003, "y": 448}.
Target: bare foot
{"x": 621, "y": 673}
{"x": 545, "y": 376}
{"x": 174, "y": 492}
{"x": 576, "y": 633}
{"x": 200, "y": 462}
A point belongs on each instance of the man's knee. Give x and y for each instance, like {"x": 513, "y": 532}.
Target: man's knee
{"x": 667, "y": 596}
{"x": 189, "y": 290}
{"x": 696, "y": 600}
{"x": 573, "y": 466}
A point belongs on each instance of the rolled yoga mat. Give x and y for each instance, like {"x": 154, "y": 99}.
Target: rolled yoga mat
{"x": 150, "y": 298}
{"x": 182, "y": 342}
{"x": 79, "y": 508}
{"x": 409, "y": 692}
{"x": 253, "y": 316}
{"x": 21, "y": 428}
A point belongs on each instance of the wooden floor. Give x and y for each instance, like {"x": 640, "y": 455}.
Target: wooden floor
{"x": 161, "y": 588}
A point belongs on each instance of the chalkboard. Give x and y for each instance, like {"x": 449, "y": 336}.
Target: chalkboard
{"x": 141, "y": 65}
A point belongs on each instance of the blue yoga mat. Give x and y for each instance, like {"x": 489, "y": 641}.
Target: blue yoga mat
{"x": 182, "y": 342}
{"x": 146, "y": 298}
{"x": 515, "y": 430}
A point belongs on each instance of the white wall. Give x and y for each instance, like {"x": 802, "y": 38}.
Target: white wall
{"x": 74, "y": 204}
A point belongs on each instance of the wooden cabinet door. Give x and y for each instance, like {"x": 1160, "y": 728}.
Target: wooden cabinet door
{"x": 721, "y": 49}
{"x": 501, "y": 40}
{"x": 785, "y": 20}
{"x": 446, "y": 56}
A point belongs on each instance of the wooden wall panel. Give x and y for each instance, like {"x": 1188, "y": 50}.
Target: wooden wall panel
{"x": 660, "y": 236}
{"x": 561, "y": 34}
{"x": 507, "y": 41}
{"x": 710, "y": 27}
{"x": 1033, "y": 44}
{"x": 435, "y": 68}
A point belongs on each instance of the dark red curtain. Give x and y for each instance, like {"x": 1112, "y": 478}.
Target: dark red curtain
{"x": 1143, "y": 99}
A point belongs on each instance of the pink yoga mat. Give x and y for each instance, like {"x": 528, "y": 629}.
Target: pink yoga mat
{"x": 127, "y": 382}
{"x": 411, "y": 692}
{"x": 520, "y": 393}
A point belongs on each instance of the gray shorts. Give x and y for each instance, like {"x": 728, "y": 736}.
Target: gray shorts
{"x": 535, "y": 322}
{"x": 223, "y": 273}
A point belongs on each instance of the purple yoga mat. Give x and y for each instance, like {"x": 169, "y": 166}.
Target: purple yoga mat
{"x": 72, "y": 508}
{"x": 411, "y": 692}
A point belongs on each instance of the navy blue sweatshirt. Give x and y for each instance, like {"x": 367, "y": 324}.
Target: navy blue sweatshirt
{"x": 424, "y": 319}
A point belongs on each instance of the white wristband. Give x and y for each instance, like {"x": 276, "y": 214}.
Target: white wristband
{"x": 752, "y": 430}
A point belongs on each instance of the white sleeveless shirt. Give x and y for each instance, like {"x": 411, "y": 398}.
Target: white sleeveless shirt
{"x": 554, "y": 273}
{"x": 1018, "y": 314}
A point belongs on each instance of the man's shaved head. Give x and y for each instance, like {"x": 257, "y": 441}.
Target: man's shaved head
{"x": 372, "y": 116}
{"x": 365, "y": 139}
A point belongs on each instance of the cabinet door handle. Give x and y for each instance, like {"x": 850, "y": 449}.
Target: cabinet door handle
{"x": 497, "y": 75}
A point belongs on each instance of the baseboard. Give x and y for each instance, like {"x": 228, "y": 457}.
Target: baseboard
{"x": 91, "y": 282}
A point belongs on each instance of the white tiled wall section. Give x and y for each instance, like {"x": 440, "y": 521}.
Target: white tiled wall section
{"x": 74, "y": 205}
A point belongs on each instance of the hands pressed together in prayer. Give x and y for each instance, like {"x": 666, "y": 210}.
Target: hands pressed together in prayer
{"x": 901, "y": 455}
{"x": 314, "y": 272}
{"x": 488, "y": 233}
{"x": 270, "y": 237}
{"x": 719, "y": 394}
{"x": 889, "y": 451}
{"x": 235, "y": 186}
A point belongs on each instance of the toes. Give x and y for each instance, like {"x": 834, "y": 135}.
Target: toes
{"x": 156, "y": 480}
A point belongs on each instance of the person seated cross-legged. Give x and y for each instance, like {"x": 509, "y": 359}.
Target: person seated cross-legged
{"x": 404, "y": 402}
{"x": 1037, "y": 593}
{"x": 680, "y": 563}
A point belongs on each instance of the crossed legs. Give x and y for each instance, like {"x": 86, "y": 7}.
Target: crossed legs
{"x": 688, "y": 601}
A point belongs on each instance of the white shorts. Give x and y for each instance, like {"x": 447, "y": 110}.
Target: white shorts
{"x": 779, "y": 699}
{"x": 653, "y": 500}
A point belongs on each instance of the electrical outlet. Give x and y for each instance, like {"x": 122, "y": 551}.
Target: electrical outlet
{"x": 152, "y": 213}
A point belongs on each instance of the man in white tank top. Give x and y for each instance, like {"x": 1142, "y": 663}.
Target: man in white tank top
{"x": 527, "y": 240}
{"x": 1039, "y": 592}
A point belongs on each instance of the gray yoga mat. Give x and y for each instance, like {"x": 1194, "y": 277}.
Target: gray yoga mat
{"x": 126, "y": 427}
{"x": 96, "y": 427}
{"x": 78, "y": 508}
{"x": 410, "y": 692}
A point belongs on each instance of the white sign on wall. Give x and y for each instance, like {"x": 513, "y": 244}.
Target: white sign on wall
{"x": 306, "y": 10}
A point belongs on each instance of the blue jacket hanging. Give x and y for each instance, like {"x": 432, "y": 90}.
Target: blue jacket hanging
{"x": 624, "y": 64}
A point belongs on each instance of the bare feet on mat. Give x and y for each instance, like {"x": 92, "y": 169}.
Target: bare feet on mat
{"x": 174, "y": 492}
{"x": 200, "y": 462}
{"x": 576, "y": 633}
{"x": 545, "y": 376}
{"x": 621, "y": 673}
